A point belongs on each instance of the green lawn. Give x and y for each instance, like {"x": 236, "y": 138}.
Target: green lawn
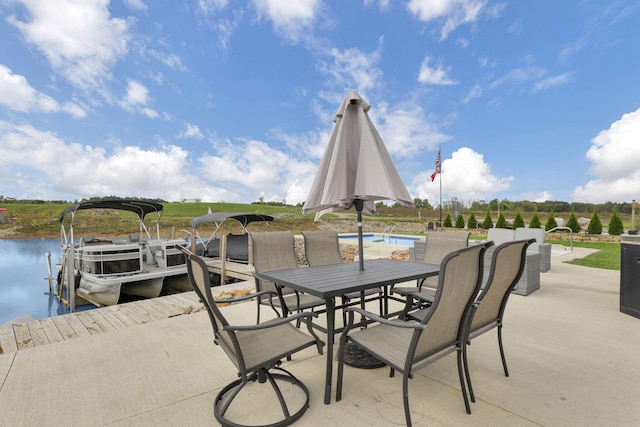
{"x": 607, "y": 257}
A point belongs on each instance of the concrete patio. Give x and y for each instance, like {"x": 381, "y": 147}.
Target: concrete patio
{"x": 574, "y": 360}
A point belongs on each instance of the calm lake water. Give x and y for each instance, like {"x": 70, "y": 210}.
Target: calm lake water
{"x": 23, "y": 288}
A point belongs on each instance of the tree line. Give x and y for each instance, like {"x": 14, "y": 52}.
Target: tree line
{"x": 525, "y": 206}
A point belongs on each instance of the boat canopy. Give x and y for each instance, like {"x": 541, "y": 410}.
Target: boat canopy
{"x": 219, "y": 217}
{"x": 139, "y": 207}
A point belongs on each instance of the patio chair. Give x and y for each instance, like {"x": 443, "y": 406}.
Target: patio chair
{"x": 323, "y": 248}
{"x": 255, "y": 350}
{"x": 407, "y": 346}
{"x": 438, "y": 244}
{"x": 276, "y": 251}
{"x": 507, "y": 266}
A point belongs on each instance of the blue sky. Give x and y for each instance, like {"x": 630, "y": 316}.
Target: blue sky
{"x": 232, "y": 101}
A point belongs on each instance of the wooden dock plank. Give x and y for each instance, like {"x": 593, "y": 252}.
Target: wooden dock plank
{"x": 100, "y": 320}
{"x": 144, "y": 310}
{"x": 38, "y": 336}
{"x": 94, "y": 321}
{"x": 64, "y": 327}
{"x": 179, "y": 304}
{"x": 23, "y": 336}
{"x": 8, "y": 339}
{"x": 189, "y": 298}
{"x": 88, "y": 322}
{"x": 78, "y": 327}
{"x": 122, "y": 316}
{"x": 110, "y": 317}
{"x": 51, "y": 330}
{"x": 156, "y": 305}
{"x": 128, "y": 311}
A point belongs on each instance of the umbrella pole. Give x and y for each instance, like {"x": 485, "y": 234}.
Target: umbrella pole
{"x": 359, "y": 204}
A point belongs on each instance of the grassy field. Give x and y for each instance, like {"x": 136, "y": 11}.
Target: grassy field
{"x": 41, "y": 221}
{"x": 607, "y": 257}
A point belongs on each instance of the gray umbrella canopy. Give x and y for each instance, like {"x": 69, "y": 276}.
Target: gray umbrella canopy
{"x": 356, "y": 167}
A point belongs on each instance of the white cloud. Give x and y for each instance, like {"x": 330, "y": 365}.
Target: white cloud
{"x": 538, "y": 197}
{"x": 548, "y": 82}
{"x": 211, "y": 6}
{"x": 255, "y": 168}
{"x": 465, "y": 175}
{"x": 289, "y": 18}
{"x": 136, "y": 4}
{"x": 17, "y": 94}
{"x": 475, "y": 92}
{"x": 352, "y": 68}
{"x": 127, "y": 170}
{"x": 452, "y": 13}
{"x": 405, "y": 129}
{"x": 614, "y": 157}
{"x": 80, "y": 40}
{"x": 434, "y": 76}
{"x": 190, "y": 131}
{"x": 136, "y": 100}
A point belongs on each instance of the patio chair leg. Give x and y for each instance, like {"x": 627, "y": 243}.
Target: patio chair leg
{"x": 466, "y": 373}
{"x": 504, "y": 360}
{"x": 405, "y": 398}
{"x": 462, "y": 382}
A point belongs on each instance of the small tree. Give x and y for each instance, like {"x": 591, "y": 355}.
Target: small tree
{"x": 488, "y": 222}
{"x": 615, "y": 224}
{"x": 501, "y": 223}
{"x": 447, "y": 221}
{"x": 551, "y": 222}
{"x": 518, "y": 222}
{"x": 535, "y": 221}
{"x": 460, "y": 221}
{"x": 472, "y": 224}
{"x": 595, "y": 226}
{"x": 572, "y": 223}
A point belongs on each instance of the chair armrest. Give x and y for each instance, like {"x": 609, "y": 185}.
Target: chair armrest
{"x": 398, "y": 323}
{"x": 247, "y": 297}
{"x": 271, "y": 323}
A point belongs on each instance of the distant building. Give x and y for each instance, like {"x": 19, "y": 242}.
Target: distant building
{"x": 191, "y": 200}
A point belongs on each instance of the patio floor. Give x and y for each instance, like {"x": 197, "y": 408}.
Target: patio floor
{"x": 574, "y": 360}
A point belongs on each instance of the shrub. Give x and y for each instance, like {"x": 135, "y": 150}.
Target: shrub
{"x": 518, "y": 222}
{"x": 535, "y": 221}
{"x": 447, "y": 221}
{"x": 595, "y": 226}
{"x": 473, "y": 222}
{"x": 615, "y": 224}
{"x": 551, "y": 222}
{"x": 488, "y": 222}
{"x": 501, "y": 223}
{"x": 573, "y": 222}
{"x": 460, "y": 221}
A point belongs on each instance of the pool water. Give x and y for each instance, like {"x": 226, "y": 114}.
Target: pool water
{"x": 389, "y": 239}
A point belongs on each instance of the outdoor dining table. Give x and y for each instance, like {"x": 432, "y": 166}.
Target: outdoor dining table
{"x": 334, "y": 280}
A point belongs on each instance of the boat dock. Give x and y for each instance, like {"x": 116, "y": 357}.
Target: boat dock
{"x": 34, "y": 333}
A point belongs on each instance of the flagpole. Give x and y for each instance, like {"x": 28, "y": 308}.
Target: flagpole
{"x": 441, "y": 225}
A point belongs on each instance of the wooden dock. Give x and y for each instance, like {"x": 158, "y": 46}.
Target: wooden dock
{"x": 19, "y": 336}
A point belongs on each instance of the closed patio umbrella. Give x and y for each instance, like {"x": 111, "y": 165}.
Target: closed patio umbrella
{"x": 356, "y": 168}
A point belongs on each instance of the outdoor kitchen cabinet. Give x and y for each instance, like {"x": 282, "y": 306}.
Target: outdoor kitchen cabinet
{"x": 630, "y": 279}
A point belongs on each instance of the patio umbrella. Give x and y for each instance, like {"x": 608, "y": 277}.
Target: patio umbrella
{"x": 356, "y": 168}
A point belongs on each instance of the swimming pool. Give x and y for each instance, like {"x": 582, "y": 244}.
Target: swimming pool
{"x": 389, "y": 239}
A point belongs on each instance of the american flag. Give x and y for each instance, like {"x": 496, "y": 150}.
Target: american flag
{"x": 437, "y": 171}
